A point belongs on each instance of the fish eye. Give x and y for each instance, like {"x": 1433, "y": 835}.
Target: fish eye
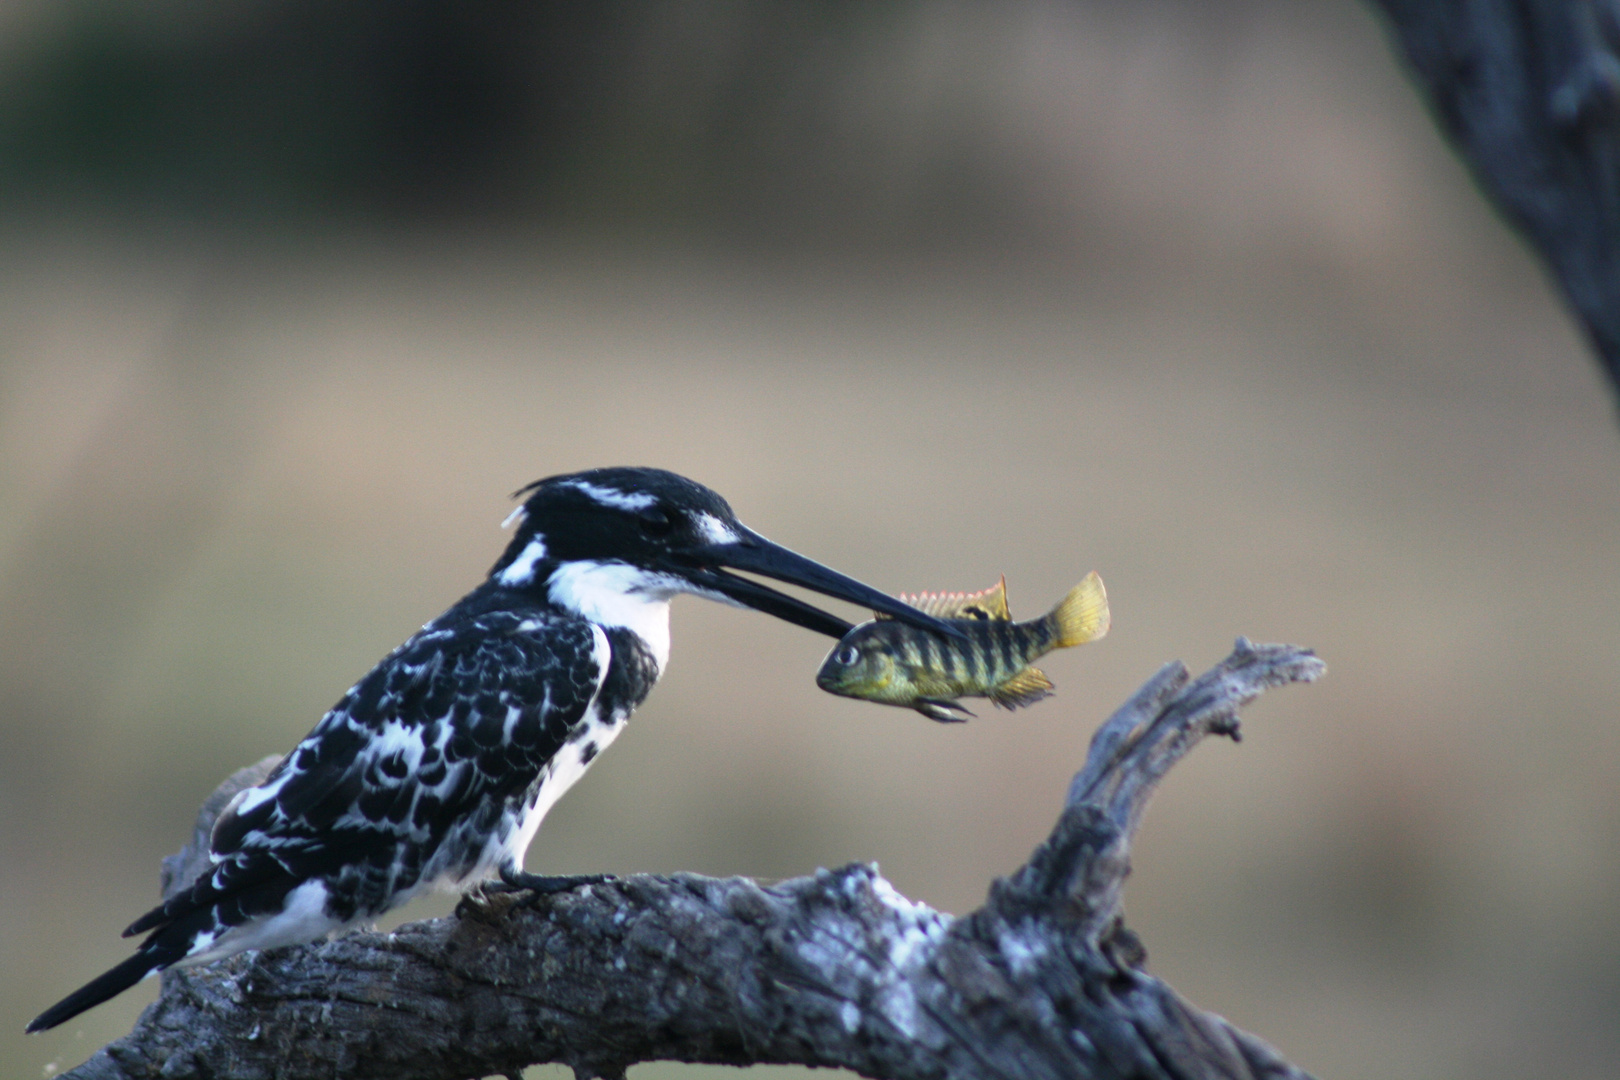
{"x": 847, "y": 655}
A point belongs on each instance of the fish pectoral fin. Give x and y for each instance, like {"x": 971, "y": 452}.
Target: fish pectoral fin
{"x": 1025, "y": 688}
{"x": 942, "y": 709}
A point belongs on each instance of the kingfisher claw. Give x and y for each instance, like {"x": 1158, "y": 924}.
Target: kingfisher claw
{"x": 540, "y": 885}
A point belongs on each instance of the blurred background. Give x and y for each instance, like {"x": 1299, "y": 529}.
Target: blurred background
{"x": 293, "y": 294}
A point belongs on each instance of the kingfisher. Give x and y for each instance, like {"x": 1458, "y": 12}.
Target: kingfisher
{"x": 435, "y": 770}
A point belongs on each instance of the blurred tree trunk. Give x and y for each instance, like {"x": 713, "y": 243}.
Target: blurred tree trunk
{"x": 1042, "y": 982}
{"x": 1528, "y": 91}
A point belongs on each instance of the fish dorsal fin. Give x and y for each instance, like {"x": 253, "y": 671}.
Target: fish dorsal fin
{"x": 988, "y": 604}
{"x": 1025, "y": 688}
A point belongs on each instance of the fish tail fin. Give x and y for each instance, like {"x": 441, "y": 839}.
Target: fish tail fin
{"x": 1082, "y": 616}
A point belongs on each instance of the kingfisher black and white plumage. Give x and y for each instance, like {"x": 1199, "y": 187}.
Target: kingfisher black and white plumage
{"x": 436, "y": 768}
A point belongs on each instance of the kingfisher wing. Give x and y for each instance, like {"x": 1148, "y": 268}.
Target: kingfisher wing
{"x": 439, "y": 737}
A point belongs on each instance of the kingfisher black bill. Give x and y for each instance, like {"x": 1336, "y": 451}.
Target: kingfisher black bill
{"x": 892, "y": 663}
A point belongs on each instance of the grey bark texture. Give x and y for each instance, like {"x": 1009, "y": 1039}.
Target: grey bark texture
{"x": 835, "y": 969}
{"x": 1528, "y": 91}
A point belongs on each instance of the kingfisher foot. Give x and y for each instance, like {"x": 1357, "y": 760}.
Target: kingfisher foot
{"x": 472, "y": 905}
{"x": 540, "y": 885}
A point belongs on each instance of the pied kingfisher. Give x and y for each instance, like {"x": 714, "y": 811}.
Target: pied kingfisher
{"x": 436, "y": 768}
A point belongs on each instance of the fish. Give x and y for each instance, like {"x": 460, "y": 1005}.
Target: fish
{"x": 892, "y": 663}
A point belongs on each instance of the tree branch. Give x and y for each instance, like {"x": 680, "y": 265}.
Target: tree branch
{"x": 1528, "y": 91}
{"x": 835, "y": 969}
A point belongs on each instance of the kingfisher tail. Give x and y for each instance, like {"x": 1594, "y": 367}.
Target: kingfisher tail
{"x": 161, "y": 950}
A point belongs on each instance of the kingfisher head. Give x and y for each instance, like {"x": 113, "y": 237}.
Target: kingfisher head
{"x": 609, "y": 544}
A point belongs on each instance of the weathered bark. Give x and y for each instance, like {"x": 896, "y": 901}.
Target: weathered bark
{"x": 836, "y": 969}
{"x": 1528, "y": 91}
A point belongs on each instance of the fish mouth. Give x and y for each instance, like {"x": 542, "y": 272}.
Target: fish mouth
{"x": 707, "y": 568}
{"x": 828, "y": 680}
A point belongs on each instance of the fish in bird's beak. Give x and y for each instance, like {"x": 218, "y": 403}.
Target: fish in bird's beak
{"x": 757, "y": 555}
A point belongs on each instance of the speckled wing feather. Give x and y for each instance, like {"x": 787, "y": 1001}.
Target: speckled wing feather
{"x": 424, "y": 764}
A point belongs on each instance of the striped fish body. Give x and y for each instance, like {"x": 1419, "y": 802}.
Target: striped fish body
{"x": 893, "y": 664}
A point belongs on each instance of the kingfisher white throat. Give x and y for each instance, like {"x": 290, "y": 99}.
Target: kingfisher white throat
{"x": 436, "y": 768}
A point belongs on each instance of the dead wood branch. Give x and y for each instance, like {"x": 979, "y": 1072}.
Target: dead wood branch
{"x": 835, "y": 969}
{"x": 1529, "y": 94}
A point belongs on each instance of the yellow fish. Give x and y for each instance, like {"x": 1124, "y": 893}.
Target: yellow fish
{"x": 895, "y": 664}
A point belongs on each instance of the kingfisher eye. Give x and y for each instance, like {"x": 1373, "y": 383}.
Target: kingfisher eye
{"x": 847, "y": 655}
{"x": 656, "y": 521}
